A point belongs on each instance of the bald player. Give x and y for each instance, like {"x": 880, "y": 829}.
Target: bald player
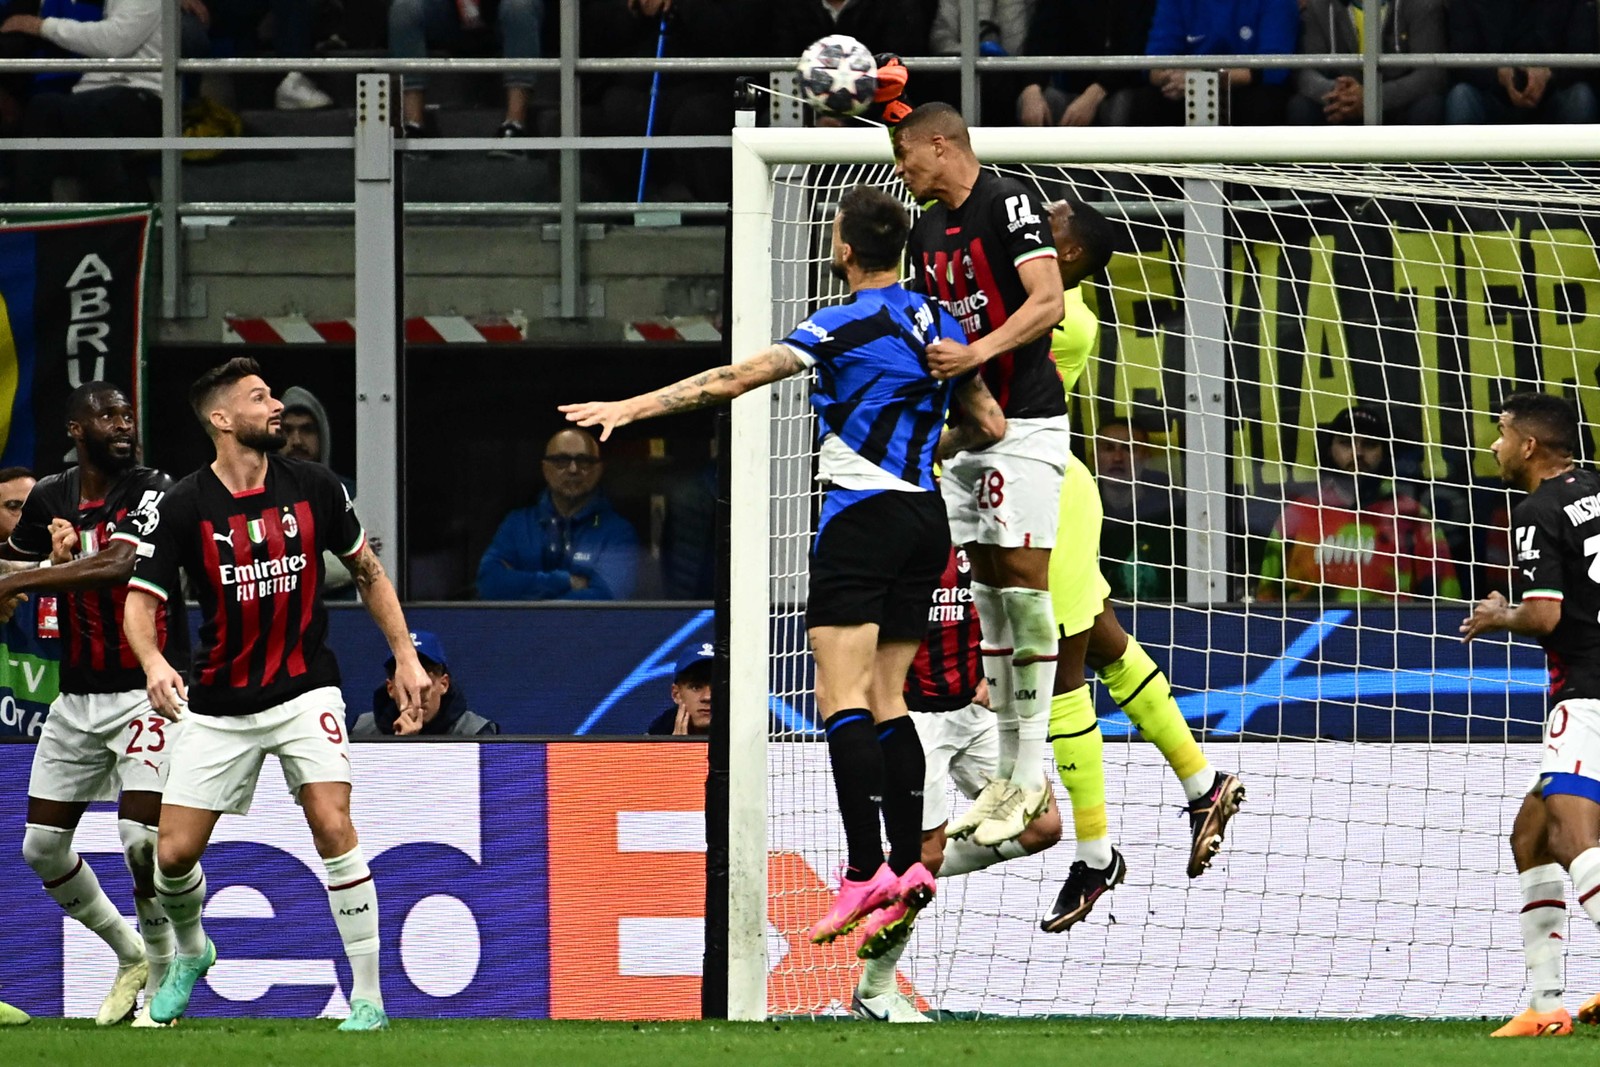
{"x": 981, "y": 247}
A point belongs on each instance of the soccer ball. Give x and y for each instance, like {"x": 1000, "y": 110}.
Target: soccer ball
{"x": 838, "y": 75}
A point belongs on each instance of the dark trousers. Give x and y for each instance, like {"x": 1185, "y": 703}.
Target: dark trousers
{"x": 1247, "y": 105}
{"x": 106, "y": 176}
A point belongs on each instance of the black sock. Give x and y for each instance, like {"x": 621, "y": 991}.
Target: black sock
{"x": 904, "y": 769}
{"x": 858, "y": 776}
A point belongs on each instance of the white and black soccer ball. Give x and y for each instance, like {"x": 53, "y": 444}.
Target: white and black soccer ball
{"x": 838, "y": 75}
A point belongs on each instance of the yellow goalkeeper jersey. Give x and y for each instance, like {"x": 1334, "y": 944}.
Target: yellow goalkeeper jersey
{"x": 1074, "y": 340}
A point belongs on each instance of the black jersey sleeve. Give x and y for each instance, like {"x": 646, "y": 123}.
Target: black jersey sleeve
{"x": 31, "y": 537}
{"x": 345, "y": 536}
{"x": 144, "y": 497}
{"x": 1537, "y": 551}
{"x": 1015, "y": 217}
{"x": 159, "y": 556}
{"x": 914, "y": 273}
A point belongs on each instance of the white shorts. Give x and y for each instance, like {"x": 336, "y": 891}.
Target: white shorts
{"x": 217, "y": 762}
{"x": 95, "y": 745}
{"x": 958, "y": 746}
{"x": 1571, "y": 762}
{"x": 1009, "y": 494}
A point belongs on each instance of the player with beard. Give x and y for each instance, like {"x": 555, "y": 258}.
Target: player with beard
{"x": 249, "y": 529}
{"x": 101, "y": 736}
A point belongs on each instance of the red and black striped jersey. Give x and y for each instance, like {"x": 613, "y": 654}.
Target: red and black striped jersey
{"x": 969, "y": 257}
{"x": 948, "y": 667}
{"x": 255, "y": 565}
{"x": 94, "y": 657}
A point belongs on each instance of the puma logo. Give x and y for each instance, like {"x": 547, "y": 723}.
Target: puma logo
{"x": 226, "y": 538}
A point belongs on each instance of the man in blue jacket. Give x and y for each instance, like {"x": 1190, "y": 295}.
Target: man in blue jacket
{"x": 571, "y": 545}
{"x": 1217, "y": 28}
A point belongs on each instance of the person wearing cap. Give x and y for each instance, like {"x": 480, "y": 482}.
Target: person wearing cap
{"x": 444, "y": 709}
{"x": 1358, "y": 537}
{"x": 690, "y": 713}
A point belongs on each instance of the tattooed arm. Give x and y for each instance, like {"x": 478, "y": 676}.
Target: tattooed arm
{"x": 716, "y": 386}
{"x": 377, "y": 593}
{"x": 982, "y": 423}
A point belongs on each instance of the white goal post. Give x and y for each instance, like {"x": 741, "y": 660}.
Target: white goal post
{"x": 777, "y": 231}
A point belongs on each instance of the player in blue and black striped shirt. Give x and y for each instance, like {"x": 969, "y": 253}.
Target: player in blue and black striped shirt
{"x": 882, "y": 539}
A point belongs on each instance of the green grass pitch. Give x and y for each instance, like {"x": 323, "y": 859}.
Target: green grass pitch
{"x": 1111, "y": 1043}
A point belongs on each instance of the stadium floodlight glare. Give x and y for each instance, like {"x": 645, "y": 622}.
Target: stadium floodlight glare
{"x": 1265, "y": 281}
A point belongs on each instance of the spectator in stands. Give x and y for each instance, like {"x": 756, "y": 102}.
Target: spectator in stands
{"x": 687, "y": 104}
{"x": 690, "y": 713}
{"x": 444, "y": 709}
{"x": 101, "y": 104}
{"x": 232, "y": 28}
{"x": 1357, "y": 537}
{"x": 305, "y": 424}
{"x": 1141, "y": 540}
{"x": 570, "y": 545}
{"x": 1002, "y": 28}
{"x": 894, "y": 26}
{"x": 414, "y": 24}
{"x": 1082, "y": 27}
{"x": 1209, "y": 28}
{"x": 1522, "y": 94}
{"x": 1412, "y": 96}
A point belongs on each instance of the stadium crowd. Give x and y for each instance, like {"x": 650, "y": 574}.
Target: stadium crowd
{"x": 101, "y": 103}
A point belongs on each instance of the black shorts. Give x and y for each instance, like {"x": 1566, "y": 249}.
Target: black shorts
{"x": 878, "y": 561}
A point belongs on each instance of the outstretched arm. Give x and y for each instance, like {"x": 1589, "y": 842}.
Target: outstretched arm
{"x": 716, "y": 386}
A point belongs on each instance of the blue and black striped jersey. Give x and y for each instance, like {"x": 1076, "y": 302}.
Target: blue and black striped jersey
{"x": 873, "y": 390}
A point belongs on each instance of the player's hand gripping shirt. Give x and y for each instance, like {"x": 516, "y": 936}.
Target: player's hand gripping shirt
{"x": 1555, "y": 539}
{"x": 256, "y": 566}
{"x": 94, "y": 656}
{"x": 968, "y": 258}
{"x": 874, "y": 398}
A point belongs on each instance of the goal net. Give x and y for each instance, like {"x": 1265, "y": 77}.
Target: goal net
{"x": 1262, "y": 287}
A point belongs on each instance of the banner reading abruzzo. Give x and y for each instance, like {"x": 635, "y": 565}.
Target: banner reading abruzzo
{"x": 71, "y": 311}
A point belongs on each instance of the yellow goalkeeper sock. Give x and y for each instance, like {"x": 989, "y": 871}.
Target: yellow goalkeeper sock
{"x": 1075, "y": 740}
{"x": 1141, "y": 690}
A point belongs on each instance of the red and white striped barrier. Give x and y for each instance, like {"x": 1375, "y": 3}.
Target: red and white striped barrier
{"x": 678, "y": 328}
{"x": 422, "y": 330}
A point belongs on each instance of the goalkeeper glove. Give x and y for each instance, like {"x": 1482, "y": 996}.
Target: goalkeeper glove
{"x": 889, "y": 104}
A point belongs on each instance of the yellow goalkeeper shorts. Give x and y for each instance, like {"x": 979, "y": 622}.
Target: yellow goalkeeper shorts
{"x": 1077, "y": 588}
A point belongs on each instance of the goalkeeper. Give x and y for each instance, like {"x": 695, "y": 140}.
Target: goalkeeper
{"x": 1091, "y": 634}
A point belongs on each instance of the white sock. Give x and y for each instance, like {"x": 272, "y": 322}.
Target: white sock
{"x": 966, "y": 855}
{"x": 1199, "y": 783}
{"x": 353, "y": 897}
{"x": 1585, "y": 872}
{"x": 159, "y": 944}
{"x": 1096, "y": 854}
{"x": 995, "y": 629}
{"x": 1543, "y": 921}
{"x": 1033, "y": 672}
{"x": 182, "y": 898}
{"x": 72, "y": 884}
{"x": 877, "y": 977}
{"x": 139, "y": 852}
